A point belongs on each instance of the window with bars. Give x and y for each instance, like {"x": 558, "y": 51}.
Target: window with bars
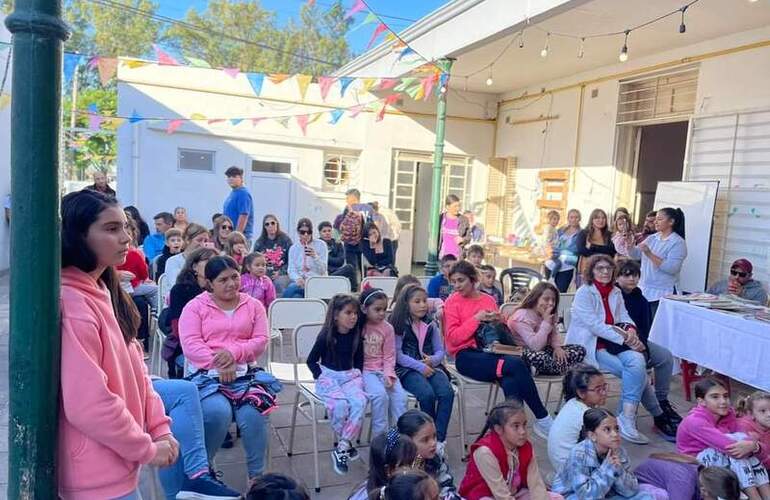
{"x": 340, "y": 172}
{"x": 655, "y": 97}
{"x": 734, "y": 149}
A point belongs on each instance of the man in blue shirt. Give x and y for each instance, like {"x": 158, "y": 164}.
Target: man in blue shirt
{"x": 238, "y": 205}
{"x": 154, "y": 243}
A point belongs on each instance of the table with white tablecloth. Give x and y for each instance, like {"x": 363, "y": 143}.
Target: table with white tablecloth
{"x": 726, "y": 343}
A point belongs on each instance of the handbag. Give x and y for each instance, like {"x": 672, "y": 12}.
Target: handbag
{"x": 493, "y": 332}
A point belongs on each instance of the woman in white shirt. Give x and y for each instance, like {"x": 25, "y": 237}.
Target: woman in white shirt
{"x": 308, "y": 257}
{"x": 662, "y": 256}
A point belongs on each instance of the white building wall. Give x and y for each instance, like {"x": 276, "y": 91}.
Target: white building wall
{"x": 729, "y": 82}
{"x": 5, "y": 151}
{"x": 148, "y": 176}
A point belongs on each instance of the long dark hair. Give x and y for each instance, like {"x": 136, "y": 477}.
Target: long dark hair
{"x": 592, "y": 419}
{"x": 401, "y": 318}
{"x": 218, "y": 222}
{"x": 187, "y": 274}
{"x": 405, "y": 484}
{"x": 329, "y": 330}
{"x": 218, "y": 264}
{"x": 276, "y": 487}
{"x": 719, "y": 482}
{"x": 577, "y": 379}
{"x": 530, "y": 301}
{"x": 500, "y": 414}
{"x": 403, "y": 281}
{"x": 263, "y": 238}
{"x": 606, "y": 235}
{"x": 704, "y": 385}
{"x": 388, "y": 452}
{"x": 411, "y": 421}
{"x": 79, "y": 211}
{"x": 141, "y": 225}
{"x": 676, "y": 215}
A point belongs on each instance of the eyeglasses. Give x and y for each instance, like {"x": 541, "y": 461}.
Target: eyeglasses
{"x": 304, "y": 232}
{"x": 603, "y": 269}
{"x": 599, "y": 389}
{"x": 270, "y": 223}
{"x": 228, "y": 228}
{"x": 740, "y": 274}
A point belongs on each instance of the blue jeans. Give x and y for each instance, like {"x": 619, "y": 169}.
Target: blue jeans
{"x": 217, "y": 416}
{"x": 662, "y": 362}
{"x": 294, "y": 291}
{"x": 182, "y": 403}
{"x": 384, "y": 401}
{"x": 435, "y": 395}
{"x": 631, "y": 368}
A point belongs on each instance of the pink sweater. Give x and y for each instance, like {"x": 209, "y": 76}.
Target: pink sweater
{"x": 205, "y": 329}
{"x": 380, "y": 349}
{"x": 110, "y": 414}
{"x": 759, "y": 433}
{"x": 700, "y": 429}
{"x": 530, "y": 330}
{"x": 261, "y": 288}
{"x": 460, "y": 324}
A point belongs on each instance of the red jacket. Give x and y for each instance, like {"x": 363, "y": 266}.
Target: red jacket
{"x": 473, "y": 486}
{"x": 136, "y": 264}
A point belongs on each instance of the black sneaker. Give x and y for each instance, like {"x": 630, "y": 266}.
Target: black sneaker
{"x": 340, "y": 461}
{"x": 206, "y": 487}
{"x": 664, "y": 426}
{"x": 353, "y": 454}
{"x": 669, "y": 412}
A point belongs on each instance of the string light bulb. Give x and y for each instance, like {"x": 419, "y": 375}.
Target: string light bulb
{"x": 623, "y": 57}
{"x": 544, "y": 52}
{"x": 581, "y": 48}
{"x": 489, "y": 78}
{"x": 443, "y": 89}
{"x": 682, "y": 27}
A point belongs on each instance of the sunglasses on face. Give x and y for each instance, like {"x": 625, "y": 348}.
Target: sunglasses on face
{"x": 304, "y": 232}
{"x": 270, "y": 223}
{"x": 738, "y": 273}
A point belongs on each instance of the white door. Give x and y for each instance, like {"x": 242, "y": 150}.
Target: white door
{"x": 272, "y": 194}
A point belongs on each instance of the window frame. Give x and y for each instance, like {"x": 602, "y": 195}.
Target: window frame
{"x": 180, "y": 150}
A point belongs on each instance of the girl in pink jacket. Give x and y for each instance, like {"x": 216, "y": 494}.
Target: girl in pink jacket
{"x": 111, "y": 420}
{"x": 754, "y": 413}
{"x": 533, "y": 325}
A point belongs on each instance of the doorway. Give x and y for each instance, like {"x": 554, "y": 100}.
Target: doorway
{"x": 660, "y": 158}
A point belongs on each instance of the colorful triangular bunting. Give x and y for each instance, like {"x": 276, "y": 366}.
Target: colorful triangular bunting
{"x": 303, "y": 81}
{"x": 335, "y": 115}
{"x": 302, "y": 122}
{"x": 164, "y": 59}
{"x": 357, "y": 7}
{"x": 173, "y": 125}
{"x": 107, "y": 69}
{"x": 278, "y": 78}
{"x": 324, "y": 84}
{"x": 198, "y": 63}
{"x": 231, "y": 72}
{"x": 345, "y": 82}
{"x": 377, "y": 32}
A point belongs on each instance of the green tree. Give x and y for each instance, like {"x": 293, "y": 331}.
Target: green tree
{"x": 89, "y": 151}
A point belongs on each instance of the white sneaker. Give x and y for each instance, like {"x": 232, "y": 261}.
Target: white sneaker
{"x": 542, "y": 427}
{"x": 629, "y": 432}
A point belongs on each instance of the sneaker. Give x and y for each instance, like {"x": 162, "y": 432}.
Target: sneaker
{"x": 665, "y": 427}
{"x": 340, "y": 461}
{"x": 629, "y": 432}
{"x": 542, "y": 427}
{"x": 670, "y": 412}
{"x": 353, "y": 454}
{"x": 206, "y": 487}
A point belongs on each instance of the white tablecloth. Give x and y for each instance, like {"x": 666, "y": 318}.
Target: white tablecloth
{"x": 725, "y": 343}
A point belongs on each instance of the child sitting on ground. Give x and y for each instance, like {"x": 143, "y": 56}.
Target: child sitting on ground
{"x": 276, "y": 487}
{"x": 502, "y": 462}
{"x": 439, "y": 286}
{"x": 718, "y": 483}
{"x": 419, "y": 427}
{"x": 380, "y": 381}
{"x": 475, "y": 255}
{"x": 408, "y": 484}
{"x": 488, "y": 283}
{"x": 254, "y": 280}
{"x": 389, "y": 452}
{"x": 754, "y": 413}
{"x": 236, "y": 247}
{"x": 710, "y": 433}
{"x": 336, "y": 361}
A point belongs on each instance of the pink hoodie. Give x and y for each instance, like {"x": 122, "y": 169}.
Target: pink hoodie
{"x": 204, "y": 329}
{"x": 759, "y": 433}
{"x": 531, "y": 331}
{"x": 110, "y": 414}
{"x": 700, "y": 430}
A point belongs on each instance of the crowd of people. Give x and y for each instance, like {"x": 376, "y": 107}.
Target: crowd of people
{"x": 373, "y": 352}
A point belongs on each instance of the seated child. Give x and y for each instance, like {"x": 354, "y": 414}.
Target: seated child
{"x": 439, "y": 286}
{"x": 236, "y": 246}
{"x": 408, "y": 484}
{"x": 710, "y": 433}
{"x": 502, "y": 463}
{"x": 670, "y": 472}
{"x": 754, "y": 413}
{"x": 488, "y": 283}
{"x": 389, "y": 452}
{"x": 276, "y": 487}
{"x": 718, "y": 483}
{"x": 254, "y": 279}
{"x": 174, "y": 245}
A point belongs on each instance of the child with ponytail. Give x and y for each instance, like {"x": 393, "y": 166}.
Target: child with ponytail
{"x": 502, "y": 463}
{"x": 754, "y": 419}
{"x": 389, "y": 452}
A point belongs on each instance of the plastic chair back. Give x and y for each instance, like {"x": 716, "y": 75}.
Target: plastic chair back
{"x": 386, "y": 283}
{"x": 305, "y": 335}
{"x": 326, "y": 287}
{"x": 164, "y": 289}
{"x": 514, "y": 278}
{"x": 288, "y": 313}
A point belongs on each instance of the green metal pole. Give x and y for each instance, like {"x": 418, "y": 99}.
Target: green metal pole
{"x": 431, "y": 267}
{"x": 38, "y": 32}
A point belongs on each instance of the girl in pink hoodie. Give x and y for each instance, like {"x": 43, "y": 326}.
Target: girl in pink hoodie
{"x": 710, "y": 433}
{"x": 111, "y": 420}
{"x": 533, "y": 325}
{"x": 754, "y": 413}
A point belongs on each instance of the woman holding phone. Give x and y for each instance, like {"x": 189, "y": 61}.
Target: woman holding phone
{"x": 308, "y": 257}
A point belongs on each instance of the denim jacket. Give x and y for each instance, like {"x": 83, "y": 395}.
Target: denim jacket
{"x": 584, "y": 477}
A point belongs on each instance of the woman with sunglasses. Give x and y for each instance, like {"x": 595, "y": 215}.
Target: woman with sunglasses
{"x": 223, "y": 226}
{"x": 741, "y": 284}
{"x": 274, "y": 244}
{"x": 596, "y": 310}
{"x": 308, "y": 257}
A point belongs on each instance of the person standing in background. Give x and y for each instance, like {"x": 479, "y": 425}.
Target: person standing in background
{"x": 648, "y": 228}
{"x": 394, "y": 225}
{"x": 454, "y": 229}
{"x": 100, "y": 184}
{"x": 350, "y": 224}
{"x": 239, "y": 205}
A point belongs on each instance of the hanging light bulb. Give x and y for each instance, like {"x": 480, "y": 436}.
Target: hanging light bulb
{"x": 682, "y": 27}
{"x": 581, "y": 49}
{"x": 544, "y": 52}
{"x": 443, "y": 89}
{"x": 623, "y": 57}
{"x": 521, "y": 39}
{"x": 489, "y": 78}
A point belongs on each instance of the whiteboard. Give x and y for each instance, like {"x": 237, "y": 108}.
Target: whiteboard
{"x": 697, "y": 200}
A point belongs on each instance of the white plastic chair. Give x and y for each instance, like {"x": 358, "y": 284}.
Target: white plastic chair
{"x": 507, "y": 309}
{"x": 158, "y": 337}
{"x": 386, "y": 283}
{"x": 326, "y": 287}
{"x": 286, "y": 314}
{"x": 565, "y": 308}
{"x": 304, "y": 337}
{"x": 164, "y": 289}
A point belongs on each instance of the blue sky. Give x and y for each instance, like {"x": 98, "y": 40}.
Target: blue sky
{"x": 288, "y": 9}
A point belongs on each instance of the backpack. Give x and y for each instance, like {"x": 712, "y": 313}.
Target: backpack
{"x": 351, "y": 227}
